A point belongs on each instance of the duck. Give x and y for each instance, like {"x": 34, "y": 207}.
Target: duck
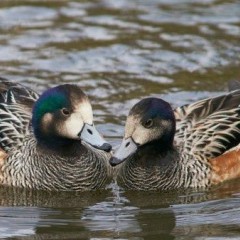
{"x": 49, "y": 141}
{"x": 192, "y": 146}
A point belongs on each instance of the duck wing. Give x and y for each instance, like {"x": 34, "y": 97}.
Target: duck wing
{"x": 209, "y": 127}
{"x": 16, "y": 102}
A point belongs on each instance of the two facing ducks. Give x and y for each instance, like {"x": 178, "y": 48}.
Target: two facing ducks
{"x": 49, "y": 142}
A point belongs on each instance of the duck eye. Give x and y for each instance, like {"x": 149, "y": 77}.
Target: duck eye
{"x": 65, "y": 111}
{"x": 148, "y": 123}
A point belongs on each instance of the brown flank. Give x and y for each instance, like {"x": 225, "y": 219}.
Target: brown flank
{"x": 226, "y": 166}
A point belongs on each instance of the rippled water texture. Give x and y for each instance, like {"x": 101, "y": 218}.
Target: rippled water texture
{"x": 119, "y": 52}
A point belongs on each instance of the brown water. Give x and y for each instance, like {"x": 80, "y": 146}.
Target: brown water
{"x": 119, "y": 52}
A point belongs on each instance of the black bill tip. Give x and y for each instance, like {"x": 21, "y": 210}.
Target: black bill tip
{"x": 114, "y": 161}
{"x": 106, "y": 147}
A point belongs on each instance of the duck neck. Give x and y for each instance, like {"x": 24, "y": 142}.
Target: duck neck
{"x": 156, "y": 148}
{"x": 153, "y": 167}
{"x": 60, "y": 145}
{"x": 52, "y": 142}
{"x": 157, "y": 153}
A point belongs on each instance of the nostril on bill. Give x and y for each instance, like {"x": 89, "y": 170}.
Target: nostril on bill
{"x": 90, "y": 131}
{"x": 127, "y": 144}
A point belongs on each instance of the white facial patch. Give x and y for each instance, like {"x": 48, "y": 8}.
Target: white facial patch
{"x": 73, "y": 125}
{"x": 85, "y": 109}
{"x": 142, "y": 135}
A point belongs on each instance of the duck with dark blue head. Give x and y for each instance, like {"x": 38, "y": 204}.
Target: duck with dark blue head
{"x": 193, "y": 146}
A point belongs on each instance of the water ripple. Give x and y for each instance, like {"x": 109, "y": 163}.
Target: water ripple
{"x": 120, "y": 52}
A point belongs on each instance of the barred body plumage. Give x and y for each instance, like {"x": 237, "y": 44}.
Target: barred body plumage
{"x": 193, "y": 146}
{"x": 26, "y": 162}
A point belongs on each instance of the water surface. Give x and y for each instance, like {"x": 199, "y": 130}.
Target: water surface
{"x": 119, "y": 52}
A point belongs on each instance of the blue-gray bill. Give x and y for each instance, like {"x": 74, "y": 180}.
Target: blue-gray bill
{"x": 91, "y": 136}
{"x": 127, "y": 148}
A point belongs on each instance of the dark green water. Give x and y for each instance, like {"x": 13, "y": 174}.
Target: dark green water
{"x": 119, "y": 52}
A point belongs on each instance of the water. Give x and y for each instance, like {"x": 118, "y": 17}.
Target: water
{"x": 119, "y": 52}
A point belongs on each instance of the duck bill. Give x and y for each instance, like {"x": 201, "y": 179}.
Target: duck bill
{"x": 91, "y": 136}
{"x": 127, "y": 148}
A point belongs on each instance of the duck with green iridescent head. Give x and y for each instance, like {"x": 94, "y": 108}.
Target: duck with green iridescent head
{"x": 49, "y": 141}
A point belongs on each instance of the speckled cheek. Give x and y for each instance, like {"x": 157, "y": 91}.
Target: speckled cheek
{"x": 130, "y": 126}
{"x": 141, "y": 135}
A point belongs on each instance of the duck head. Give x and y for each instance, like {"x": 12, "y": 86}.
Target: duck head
{"x": 150, "y": 122}
{"x": 62, "y": 115}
